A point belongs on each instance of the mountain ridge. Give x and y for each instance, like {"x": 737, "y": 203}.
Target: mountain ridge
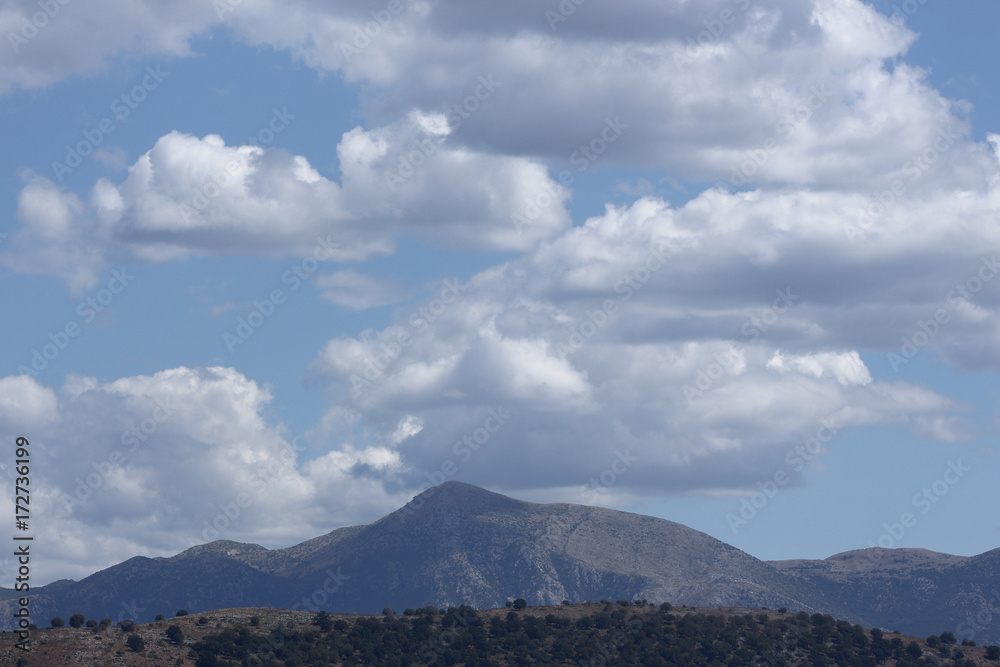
{"x": 460, "y": 544}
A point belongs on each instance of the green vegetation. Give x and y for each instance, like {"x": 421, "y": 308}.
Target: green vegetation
{"x": 175, "y": 634}
{"x": 621, "y": 633}
{"x": 135, "y": 643}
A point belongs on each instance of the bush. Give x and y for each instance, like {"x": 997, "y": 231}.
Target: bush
{"x": 106, "y": 622}
{"x": 135, "y": 643}
{"x": 323, "y": 621}
{"x": 947, "y": 638}
{"x": 254, "y": 621}
{"x": 666, "y": 606}
{"x": 126, "y": 625}
{"x": 993, "y": 652}
{"x": 159, "y": 617}
{"x": 76, "y": 620}
{"x": 91, "y": 623}
{"x": 933, "y": 641}
{"x": 175, "y": 634}
{"x": 181, "y": 612}
{"x": 204, "y": 621}
{"x": 388, "y": 611}
{"x": 913, "y": 650}
{"x": 57, "y": 622}
{"x": 520, "y": 603}
{"x": 565, "y": 602}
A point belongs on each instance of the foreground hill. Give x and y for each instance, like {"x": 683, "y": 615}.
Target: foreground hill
{"x": 458, "y": 545}
{"x": 597, "y": 634}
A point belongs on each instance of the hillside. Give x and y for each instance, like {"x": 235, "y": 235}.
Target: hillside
{"x": 596, "y": 634}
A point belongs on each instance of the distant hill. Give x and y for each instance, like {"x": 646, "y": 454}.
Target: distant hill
{"x": 460, "y": 544}
{"x": 915, "y": 589}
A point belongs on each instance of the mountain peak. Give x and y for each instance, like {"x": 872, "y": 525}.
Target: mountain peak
{"x": 456, "y": 497}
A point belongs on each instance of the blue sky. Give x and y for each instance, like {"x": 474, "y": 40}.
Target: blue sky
{"x": 567, "y": 247}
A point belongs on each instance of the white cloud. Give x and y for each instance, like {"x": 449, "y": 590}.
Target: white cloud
{"x": 157, "y": 460}
{"x": 359, "y": 291}
{"x": 658, "y": 330}
{"x": 198, "y": 196}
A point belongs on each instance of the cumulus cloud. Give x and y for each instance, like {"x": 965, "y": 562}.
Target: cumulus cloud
{"x": 770, "y": 92}
{"x": 198, "y": 196}
{"x": 161, "y": 461}
{"x": 643, "y": 331}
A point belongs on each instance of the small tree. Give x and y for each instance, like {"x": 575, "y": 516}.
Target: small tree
{"x": 159, "y": 617}
{"x": 106, "y": 622}
{"x": 126, "y": 625}
{"x": 175, "y": 634}
{"x": 254, "y": 621}
{"x": 947, "y": 638}
{"x": 181, "y": 612}
{"x": 520, "y": 603}
{"x": 77, "y": 620}
{"x": 388, "y": 611}
{"x": 135, "y": 643}
{"x": 57, "y": 622}
{"x": 933, "y": 641}
{"x": 993, "y": 652}
{"x": 913, "y": 650}
{"x": 91, "y": 623}
{"x": 323, "y": 621}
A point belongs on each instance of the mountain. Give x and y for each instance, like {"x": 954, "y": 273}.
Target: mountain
{"x": 459, "y": 544}
{"x": 922, "y": 591}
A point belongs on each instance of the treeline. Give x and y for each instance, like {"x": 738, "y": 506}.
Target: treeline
{"x": 622, "y": 633}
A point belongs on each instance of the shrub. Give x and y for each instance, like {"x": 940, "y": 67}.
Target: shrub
{"x": 913, "y": 650}
{"x": 57, "y": 622}
{"x": 126, "y": 625}
{"x": 947, "y": 638}
{"x": 106, "y": 622}
{"x": 254, "y": 620}
{"x": 175, "y": 634}
{"x": 135, "y": 643}
{"x": 76, "y": 620}
{"x": 159, "y": 617}
{"x": 91, "y": 623}
{"x": 933, "y": 641}
{"x": 388, "y": 611}
{"x": 204, "y": 621}
{"x": 520, "y": 603}
{"x": 323, "y": 621}
{"x": 993, "y": 652}
{"x": 181, "y": 612}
